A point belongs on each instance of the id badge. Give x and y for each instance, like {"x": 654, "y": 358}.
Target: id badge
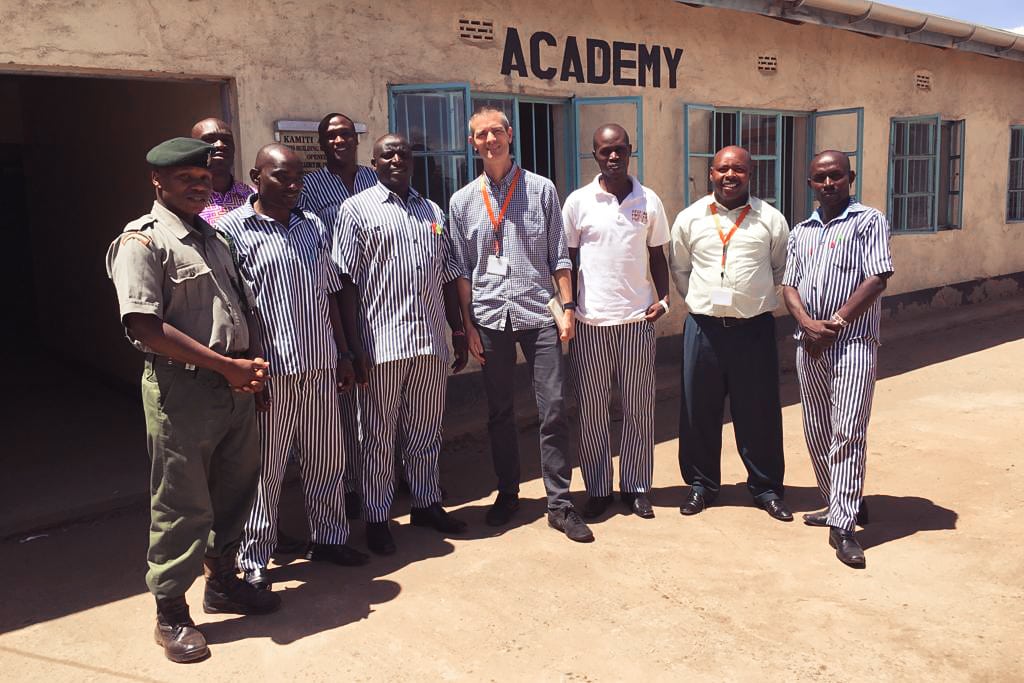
{"x": 497, "y": 265}
{"x": 721, "y": 296}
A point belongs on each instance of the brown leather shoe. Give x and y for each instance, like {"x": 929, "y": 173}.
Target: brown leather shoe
{"x": 177, "y": 633}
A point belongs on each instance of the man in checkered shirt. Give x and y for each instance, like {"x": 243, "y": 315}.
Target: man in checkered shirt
{"x": 507, "y": 230}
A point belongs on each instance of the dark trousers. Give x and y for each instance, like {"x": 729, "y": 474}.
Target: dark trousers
{"x": 741, "y": 362}
{"x": 543, "y": 353}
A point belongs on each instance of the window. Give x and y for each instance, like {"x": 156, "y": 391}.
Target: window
{"x": 780, "y": 144}
{"x": 1015, "y": 186}
{"x": 925, "y": 174}
{"x": 434, "y": 120}
{"x": 592, "y": 112}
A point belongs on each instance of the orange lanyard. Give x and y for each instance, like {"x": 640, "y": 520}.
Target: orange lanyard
{"x": 496, "y": 222}
{"x": 721, "y": 234}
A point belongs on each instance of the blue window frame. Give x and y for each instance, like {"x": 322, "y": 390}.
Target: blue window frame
{"x": 1015, "y": 181}
{"x": 591, "y": 112}
{"x": 434, "y": 118}
{"x": 925, "y": 174}
{"x": 842, "y": 130}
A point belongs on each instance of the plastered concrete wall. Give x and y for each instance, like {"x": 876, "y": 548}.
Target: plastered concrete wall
{"x": 299, "y": 60}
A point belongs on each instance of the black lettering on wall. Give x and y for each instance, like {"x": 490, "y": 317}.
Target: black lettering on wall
{"x": 672, "y": 59}
{"x": 593, "y": 47}
{"x": 513, "y": 59}
{"x": 649, "y": 59}
{"x": 572, "y": 65}
{"x": 620, "y": 63}
{"x": 535, "y": 40}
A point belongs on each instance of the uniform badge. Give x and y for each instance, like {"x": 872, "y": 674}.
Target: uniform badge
{"x": 436, "y": 228}
{"x": 639, "y": 216}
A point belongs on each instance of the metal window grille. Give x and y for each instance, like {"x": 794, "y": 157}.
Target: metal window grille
{"x": 1015, "y": 184}
{"x": 925, "y": 174}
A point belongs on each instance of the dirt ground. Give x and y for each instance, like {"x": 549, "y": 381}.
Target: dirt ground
{"x": 727, "y": 595}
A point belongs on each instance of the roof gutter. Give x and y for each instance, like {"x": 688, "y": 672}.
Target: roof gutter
{"x": 876, "y": 18}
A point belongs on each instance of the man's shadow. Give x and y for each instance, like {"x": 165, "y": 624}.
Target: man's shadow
{"x": 891, "y": 517}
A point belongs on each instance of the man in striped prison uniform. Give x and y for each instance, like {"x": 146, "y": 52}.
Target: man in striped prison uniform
{"x": 323, "y": 192}
{"x": 508, "y": 231}
{"x": 226, "y": 195}
{"x": 283, "y": 254}
{"x": 615, "y": 228}
{"x": 727, "y": 257}
{"x": 837, "y": 269}
{"x": 393, "y": 243}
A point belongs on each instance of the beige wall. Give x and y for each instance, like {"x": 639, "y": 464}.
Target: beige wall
{"x": 300, "y": 60}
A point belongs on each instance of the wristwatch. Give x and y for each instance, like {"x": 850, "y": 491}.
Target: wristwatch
{"x": 839, "y": 320}
{"x": 569, "y": 306}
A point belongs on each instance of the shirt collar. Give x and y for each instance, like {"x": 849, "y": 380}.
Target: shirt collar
{"x": 249, "y": 209}
{"x": 505, "y": 181}
{"x": 178, "y": 227}
{"x": 634, "y": 192}
{"x": 755, "y": 204}
{"x": 384, "y": 194}
{"x": 853, "y": 207}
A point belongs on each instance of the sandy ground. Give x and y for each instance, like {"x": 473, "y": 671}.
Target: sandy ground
{"x": 728, "y": 595}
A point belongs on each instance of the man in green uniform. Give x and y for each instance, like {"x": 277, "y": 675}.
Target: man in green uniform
{"x": 184, "y": 306}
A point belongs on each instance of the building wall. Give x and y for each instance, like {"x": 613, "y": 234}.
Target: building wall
{"x": 299, "y": 60}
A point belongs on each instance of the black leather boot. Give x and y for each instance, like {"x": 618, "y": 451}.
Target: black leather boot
{"x": 226, "y": 593}
{"x": 177, "y": 633}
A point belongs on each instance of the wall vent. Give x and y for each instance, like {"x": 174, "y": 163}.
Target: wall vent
{"x": 767, "y": 64}
{"x": 923, "y": 80}
{"x": 476, "y": 30}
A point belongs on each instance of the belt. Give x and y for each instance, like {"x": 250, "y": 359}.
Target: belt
{"x": 725, "y": 321}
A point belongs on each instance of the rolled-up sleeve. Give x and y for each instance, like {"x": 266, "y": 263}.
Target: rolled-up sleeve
{"x": 136, "y": 269}
{"x": 558, "y": 248}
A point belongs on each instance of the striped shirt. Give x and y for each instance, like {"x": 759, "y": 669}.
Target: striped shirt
{"x": 322, "y": 190}
{"x": 399, "y": 255}
{"x": 291, "y": 274}
{"x": 222, "y": 203}
{"x": 826, "y": 263}
{"x": 531, "y": 238}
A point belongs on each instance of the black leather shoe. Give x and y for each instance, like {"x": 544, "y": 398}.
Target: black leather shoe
{"x": 848, "y": 550}
{"x": 353, "y": 505}
{"x": 505, "y": 505}
{"x": 820, "y": 517}
{"x": 258, "y": 578}
{"x": 596, "y": 506}
{"x": 286, "y": 545}
{"x": 777, "y": 509}
{"x": 694, "y": 503}
{"x": 569, "y": 522}
{"x": 435, "y": 516}
{"x": 338, "y": 553}
{"x": 176, "y": 633}
{"x": 639, "y": 504}
{"x": 379, "y": 539}
{"x": 227, "y": 594}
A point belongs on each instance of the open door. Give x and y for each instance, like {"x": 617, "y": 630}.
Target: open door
{"x": 841, "y": 130}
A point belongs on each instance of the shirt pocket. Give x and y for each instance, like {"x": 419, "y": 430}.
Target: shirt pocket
{"x": 194, "y": 283}
{"x": 378, "y": 244}
{"x": 844, "y": 257}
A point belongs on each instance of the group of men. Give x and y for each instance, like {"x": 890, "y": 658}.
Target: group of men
{"x": 303, "y": 318}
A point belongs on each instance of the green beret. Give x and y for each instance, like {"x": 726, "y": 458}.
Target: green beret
{"x": 180, "y": 152}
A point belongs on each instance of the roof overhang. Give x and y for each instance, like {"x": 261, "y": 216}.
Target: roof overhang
{"x": 887, "y": 21}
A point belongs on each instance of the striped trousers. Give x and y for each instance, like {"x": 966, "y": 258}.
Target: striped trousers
{"x": 402, "y": 406}
{"x": 595, "y": 355}
{"x": 836, "y": 392}
{"x": 352, "y": 430}
{"x": 304, "y": 414}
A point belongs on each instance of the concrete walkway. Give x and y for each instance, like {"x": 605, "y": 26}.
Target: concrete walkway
{"x": 727, "y": 595}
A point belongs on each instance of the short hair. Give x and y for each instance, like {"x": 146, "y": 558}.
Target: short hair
{"x": 321, "y": 129}
{"x": 483, "y": 111}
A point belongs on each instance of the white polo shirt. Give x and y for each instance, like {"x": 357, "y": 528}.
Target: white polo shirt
{"x": 614, "y": 285}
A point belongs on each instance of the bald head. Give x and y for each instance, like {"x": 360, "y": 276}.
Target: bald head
{"x": 277, "y": 175}
{"x": 732, "y": 152}
{"x": 832, "y": 155}
{"x": 222, "y": 161}
{"x": 610, "y": 131}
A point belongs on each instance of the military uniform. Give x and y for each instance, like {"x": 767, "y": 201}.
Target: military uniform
{"x": 201, "y": 435}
